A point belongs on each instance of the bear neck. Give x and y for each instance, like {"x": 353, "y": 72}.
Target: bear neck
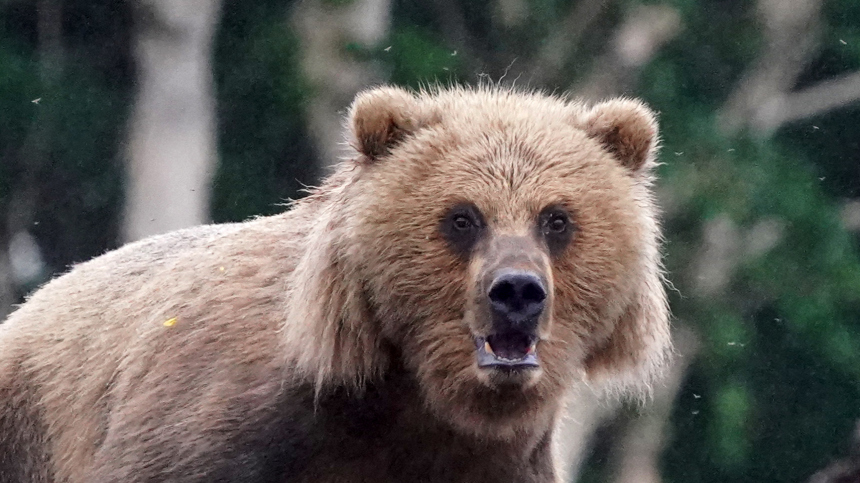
{"x": 364, "y": 421}
{"x": 397, "y": 393}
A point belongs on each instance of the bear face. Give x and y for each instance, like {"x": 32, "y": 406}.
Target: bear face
{"x": 504, "y": 243}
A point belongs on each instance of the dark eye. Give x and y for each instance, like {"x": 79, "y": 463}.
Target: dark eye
{"x": 556, "y": 228}
{"x": 462, "y": 227}
{"x": 557, "y": 223}
{"x": 462, "y": 223}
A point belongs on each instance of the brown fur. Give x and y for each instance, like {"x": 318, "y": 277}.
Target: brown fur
{"x": 335, "y": 342}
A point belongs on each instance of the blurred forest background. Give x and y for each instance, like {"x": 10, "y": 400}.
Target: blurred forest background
{"x": 120, "y": 119}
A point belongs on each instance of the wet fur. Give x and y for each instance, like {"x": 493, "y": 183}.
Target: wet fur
{"x": 334, "y": 342}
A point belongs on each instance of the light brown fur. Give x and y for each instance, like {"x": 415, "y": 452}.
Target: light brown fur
{"x": 185, "y": 340}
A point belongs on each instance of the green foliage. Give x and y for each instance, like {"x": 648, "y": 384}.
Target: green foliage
{"x": 777, "y": 380}
{"x": 58, "y": 135}
{"x": 417, "y": 58}
{"x": 266, "y": 157}
{"x": 17, "y": 79}
{"x": 79, "y": 168}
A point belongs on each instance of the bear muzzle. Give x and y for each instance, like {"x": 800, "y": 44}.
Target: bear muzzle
{"x": 516, "y": 300}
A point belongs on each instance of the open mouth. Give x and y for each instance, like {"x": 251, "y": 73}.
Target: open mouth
{"x": 508, "y": 350}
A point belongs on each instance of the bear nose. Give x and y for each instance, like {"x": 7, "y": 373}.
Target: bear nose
{"x": 517, "y": 297}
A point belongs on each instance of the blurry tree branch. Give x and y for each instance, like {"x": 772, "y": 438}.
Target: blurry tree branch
{"x": 718, "y": 257}
{"x": 172, "y": 147}
{"x": 790, "y": 35}
{"x": 644, "y": 31}
{"x": 327, "y": 31}
{"x": 725, "y": 246}
{"x": 818, "y": 99}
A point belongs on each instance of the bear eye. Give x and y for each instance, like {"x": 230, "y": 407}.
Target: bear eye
{"x": 556, "y": 228}
{"x": 557, "y": 223}
{"x": 462, "y": 223}
{"x": 462, "y": 227}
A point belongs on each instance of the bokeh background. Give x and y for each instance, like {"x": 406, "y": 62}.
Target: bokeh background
{"x": 121, "y": 119}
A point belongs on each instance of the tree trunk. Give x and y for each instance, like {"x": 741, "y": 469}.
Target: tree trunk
{"x": 172, "y": 145}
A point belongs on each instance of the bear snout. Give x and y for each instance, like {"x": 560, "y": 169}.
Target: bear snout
{"x": 517, "y": 299}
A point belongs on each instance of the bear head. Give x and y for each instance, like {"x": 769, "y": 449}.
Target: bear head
{"x": 502, "y": 244}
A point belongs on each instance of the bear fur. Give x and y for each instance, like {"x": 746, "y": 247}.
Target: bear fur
{"x": 337, "y": 342}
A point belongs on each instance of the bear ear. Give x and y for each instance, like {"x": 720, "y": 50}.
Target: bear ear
{"x": 382, "y": 117}
{"x": 627, "y": 129}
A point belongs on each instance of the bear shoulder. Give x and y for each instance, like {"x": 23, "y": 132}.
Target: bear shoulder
{"x": 158, "y": 323}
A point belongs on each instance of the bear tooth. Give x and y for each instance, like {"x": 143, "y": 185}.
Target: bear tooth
{"x": 488, "y": 348}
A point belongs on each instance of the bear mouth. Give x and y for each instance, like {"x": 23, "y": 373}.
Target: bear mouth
{"x": 510, "y": 350}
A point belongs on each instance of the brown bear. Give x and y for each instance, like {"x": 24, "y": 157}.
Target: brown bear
{"x": 418, "y": 317}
